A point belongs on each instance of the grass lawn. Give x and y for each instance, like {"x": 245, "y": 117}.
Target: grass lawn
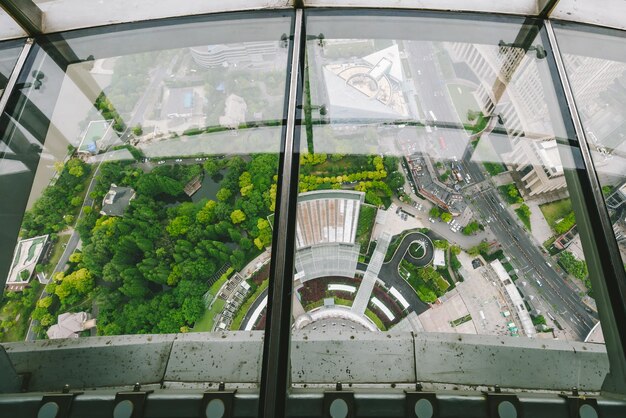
{"x": 494, "y": 168}
{"x": 460, "y": 320}
{"x": 524, "y": 217}
{"x": 555, "y": 211}
{"x": 343, "y": 302}
{"x": 417, "y": 250}
{"x": 57, "y": 252}
{"x": 376, "y": 320}
{"x": 364, "y": 228}
{"x": 206, "y": 322}
{"x": 463, "y": 100}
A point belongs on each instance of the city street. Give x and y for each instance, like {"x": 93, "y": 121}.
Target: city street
{"x": 541, "y": 279}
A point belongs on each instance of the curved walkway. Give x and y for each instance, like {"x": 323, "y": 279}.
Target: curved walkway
{"x": 252, "y": 308}
{"x": 388, "y": 274}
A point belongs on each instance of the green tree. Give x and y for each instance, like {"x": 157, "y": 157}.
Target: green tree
{"x": 446, "y": 217}
{"x": 179, "y": 226}
{"x": 442, "y": 244}
{"x": 137, "y": 130}
{"x": 471, "y": 228}
{"x": 76, "y": 257}
{"x": 237, "y": 216}
{"x": 224, "y": 194}
{"x": 395, "y": 180}
{"x": 45, "y": 302}
{"x": 434, "y": 212}
{"x": 482, "y": 247}
{"x": 212, "y": 166}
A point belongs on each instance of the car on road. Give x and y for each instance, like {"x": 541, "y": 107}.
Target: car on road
{"x": 178, "y": 160}
{"x": 501, "y": 205}
{"x": 538, "y": 282}
{"x": 161, "y": 162}
{"x": 548, "y": 264}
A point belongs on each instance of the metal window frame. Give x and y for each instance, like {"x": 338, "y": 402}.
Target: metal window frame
{"x": 17, "y": 69}
{"x": 275, "y": 381}
{"x": 276, "y": 373}
{"x": 606, "y": 269}
{"x": 64, "y": 15}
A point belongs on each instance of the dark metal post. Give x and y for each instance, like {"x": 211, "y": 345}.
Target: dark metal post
{"x": 26, "y": 14}
{"x": 275, "y": 374}
{"x": 606, "y": 269}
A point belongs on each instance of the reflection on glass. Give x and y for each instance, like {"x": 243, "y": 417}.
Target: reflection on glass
{"x": 151, "y": 204}
{"x": 9, "y": 51}
{"x": 598, "y": 80}
{"x": 433, "y": 193}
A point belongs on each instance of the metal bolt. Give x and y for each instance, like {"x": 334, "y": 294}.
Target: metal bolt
{"x": 419, "y": 387}
{"x": 221, "y": 387}
{"x": 497, "y": 389}
{"x": 575, "y": 391}
{"x": 66, "y": 388}
{"x": 136, "y": 387}
{"x": 338, "y": 387}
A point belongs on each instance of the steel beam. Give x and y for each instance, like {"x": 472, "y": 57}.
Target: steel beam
{"x": 275, "y": 375}
{"x": 606, "y": 269}
{"x": 4, "y": 98}
{"x": 545, "y": 7}
{"x": 26, "y": 14}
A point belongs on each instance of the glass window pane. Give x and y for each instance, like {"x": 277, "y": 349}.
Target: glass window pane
{"x": 139, "y": 170}
{"x": 598, "y": 78}
{"x": 434, "y": 186}
{"x": 9, "y": 52}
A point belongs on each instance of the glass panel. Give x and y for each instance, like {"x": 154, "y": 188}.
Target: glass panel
{"x": 9, "y": 52}
{"x": 146, "y": 160}
{"x": 598, "y": 80}
{"x": 434, "y": 183}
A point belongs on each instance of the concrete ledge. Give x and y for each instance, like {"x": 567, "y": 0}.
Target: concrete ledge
{"x": 317, "y": 358}
{"x": 509, "y": 362}
{"x": 371, "y": 357}
{"x": 231, "y": 357}
{"x": 92, "y": 362}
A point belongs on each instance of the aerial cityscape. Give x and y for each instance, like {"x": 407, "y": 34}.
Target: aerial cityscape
{"x": 433, "y": 197}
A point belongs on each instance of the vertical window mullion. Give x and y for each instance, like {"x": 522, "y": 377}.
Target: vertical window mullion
{"x": 275, "y": 372}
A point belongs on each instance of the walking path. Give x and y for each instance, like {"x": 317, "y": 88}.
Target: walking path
{"x": 369, "y": 279}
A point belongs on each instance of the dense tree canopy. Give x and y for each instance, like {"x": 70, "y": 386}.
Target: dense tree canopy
{"x": 155, "y": 263}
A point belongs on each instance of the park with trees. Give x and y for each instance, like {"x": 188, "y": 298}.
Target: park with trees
{"x": 376, "y": 176}
{"x": 147, "y": 272}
